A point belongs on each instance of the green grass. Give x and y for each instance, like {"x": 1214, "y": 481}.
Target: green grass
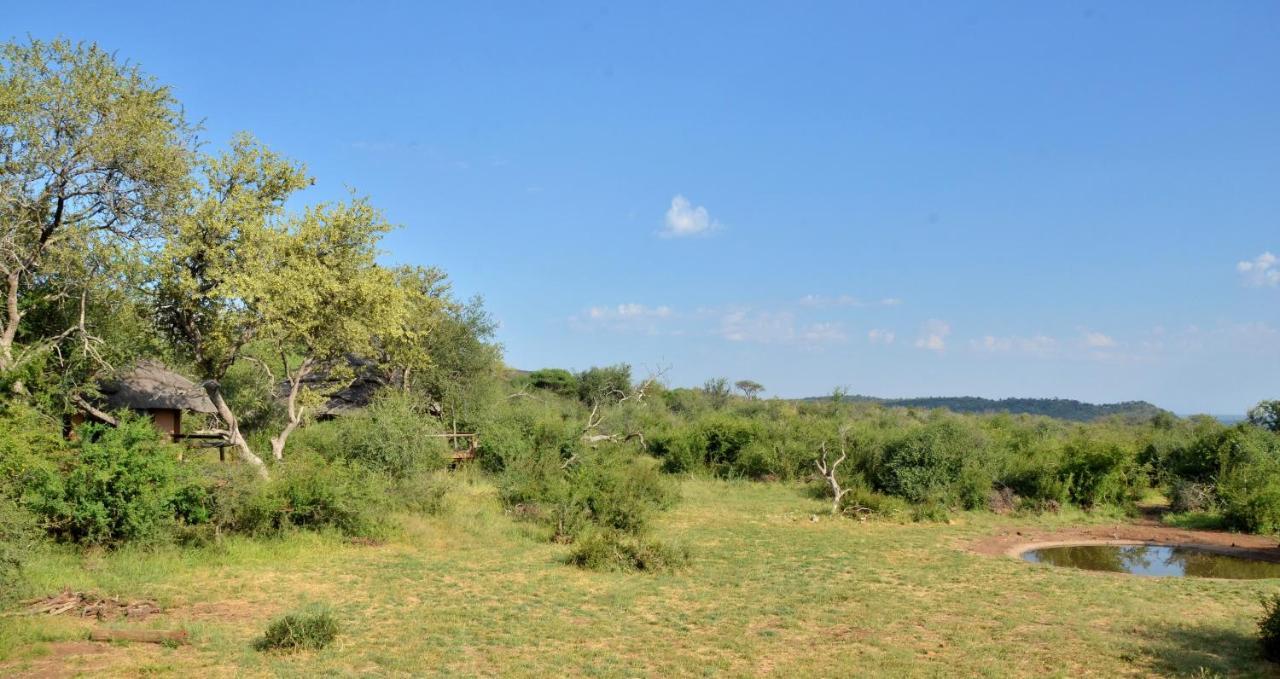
{"x": 768, "y": 592}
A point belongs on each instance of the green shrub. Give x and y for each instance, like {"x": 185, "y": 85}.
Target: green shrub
{"x": 390, "y": 437}
{"x": 309, "y": 493}
{"x": 556, "y": 380}
{"x": 307, "y": 630}
{"x": 1269, "y": 628}
{"x": 425, "y": 493}
{"x": 1189, "y": 496}
{"x": 938, "y": 463}
{"x": 1250, "y": 497}
{"x": 616, "y": 551}
{"x": 117, "y": 486}
{"x": 1101, "y": 472}
{"x": 681, "y": 449}
{"x": 610, "y": 487}
{"x": 19, "y": 534}
{"x": 862, "y": 502}
{"x": 27, "y": 439}
{"x": 604, "y": 385}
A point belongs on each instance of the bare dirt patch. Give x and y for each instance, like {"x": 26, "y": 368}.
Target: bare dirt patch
{"x": 1013, "y": 542}
{"x": 222, "y": 611}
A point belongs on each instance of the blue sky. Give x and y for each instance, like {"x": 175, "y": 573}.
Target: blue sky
{"x": 993, "y": 199}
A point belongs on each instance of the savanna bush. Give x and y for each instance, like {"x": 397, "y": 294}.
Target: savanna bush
{"x": 116, "y": 485}
{"x": 391, "y": 437}
{"x": 1269, "y": 628}
{"x": 19, "y": 534}
{"x": 306, "y": 492}
{"x": 1250, "y": 497}
{"x": 942, "y": 462}
{"x": 556, "y": 380}
{"x": 713, "y": 443}
{"x": 611, "y": 487}
{"x": 310, "y": 629}
{"x": 862, "y": 502}
{"x": 1101, "y": 471}
{"x": 608, "y": 550}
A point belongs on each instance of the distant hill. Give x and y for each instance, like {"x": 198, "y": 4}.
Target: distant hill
{"x": 1060, "y": 408}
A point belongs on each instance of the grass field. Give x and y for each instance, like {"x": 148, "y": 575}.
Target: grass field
{"x": 769, "y": 592}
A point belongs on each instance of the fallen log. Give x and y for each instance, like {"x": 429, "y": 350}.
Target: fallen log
{"x": 148, "y": 636}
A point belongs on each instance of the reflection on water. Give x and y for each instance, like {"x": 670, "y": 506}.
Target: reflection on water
{"x": 1155, "y": 560}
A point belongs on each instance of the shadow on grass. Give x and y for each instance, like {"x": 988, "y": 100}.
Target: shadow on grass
{"x": 1206, "y": 651}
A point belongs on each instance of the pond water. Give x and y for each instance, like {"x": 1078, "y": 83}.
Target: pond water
{"x": 1161, "y": 560}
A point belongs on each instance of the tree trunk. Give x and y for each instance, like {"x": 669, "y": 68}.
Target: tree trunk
{"x": 214, "y": 390}
{"x": 13, "y": 315}
{"x": 294, "y": 410}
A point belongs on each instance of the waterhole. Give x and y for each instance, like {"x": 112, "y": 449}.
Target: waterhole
{"x": 1157, "y": 560}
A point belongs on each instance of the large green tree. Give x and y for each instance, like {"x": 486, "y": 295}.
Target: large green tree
{"x": 216, "y": 253}
{"x": 322, "y": 298}
{"x": 93, "y": 154}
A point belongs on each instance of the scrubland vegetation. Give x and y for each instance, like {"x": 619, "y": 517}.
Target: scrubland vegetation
{"x": 638, "y": 528}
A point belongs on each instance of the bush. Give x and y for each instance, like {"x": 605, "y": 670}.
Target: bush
{"x": 610, "y": 487}
{"x": 604, "y": 385}
{"x": 863, "y": 502}
{"x": 1189, "y": 496}
{"x": 616, "y": 551}
{"x": 555, "y": 380}
{"x": 1269, "y": 628}
{"x": 309, "y": 630}
{"x": 119, "y": 485}
{"x": 389, "y": 437}
{"x": 18, "y": 536}
{"x": 425, "y": 493}
{"x": 938, "y": 463}
{"x": 1250, "y": 497}
{"x": 309, "y": 493}
{"x": 1101, "y": 472}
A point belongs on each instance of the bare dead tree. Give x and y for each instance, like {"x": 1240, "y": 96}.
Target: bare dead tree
{"x": 828, "y": 471}
{"x": 598, "y": 410}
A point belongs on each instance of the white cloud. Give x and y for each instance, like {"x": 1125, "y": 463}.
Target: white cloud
{"x": 628, "y": 311}
{"x": 765, "y": 327}
{"x": 626, "y": 318}
{"x": 878, "y": 336}
{"x": 822, "y": 333}
{"x": 1097, "y": 340}
{"x": 1036, "y": 345}
{"x": 934, "y": 335}
{"x": 1260, "y": 271}
{"x": 684, "y": 219}
{"x": 821, "y": 301}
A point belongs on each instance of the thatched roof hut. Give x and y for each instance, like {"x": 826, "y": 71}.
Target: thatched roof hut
{"x": 149, "y": 385}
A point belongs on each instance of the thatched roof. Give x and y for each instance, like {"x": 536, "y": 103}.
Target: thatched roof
{"x": 150, "y": 385}
{"x": 354, "y": 396}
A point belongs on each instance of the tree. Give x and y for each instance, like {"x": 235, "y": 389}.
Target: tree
{"x": 1266, "y": 415}
{"x": 602, "y": 386}
{"x": 407, "y": 352}
{"x": 717, "y": 390}
{"x": 215, "y": 252}
{"x": 749, "y": 388}
{"x": 92, "y": 154}
{"x": 555, "y": 380}
{"x": 322, "y": 297}
{"x": 462, "y": 360}
{"x": 828, "y": 472}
